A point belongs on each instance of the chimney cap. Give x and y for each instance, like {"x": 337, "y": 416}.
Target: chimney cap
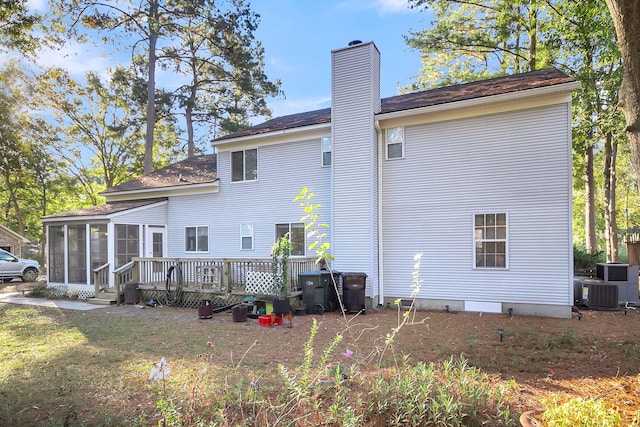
{"x": 355, "y": 42}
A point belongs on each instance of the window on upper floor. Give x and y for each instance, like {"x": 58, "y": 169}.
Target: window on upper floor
{"x": 394, "y": 142}
{"x": 296, "y": 235}
{"x": 246, "y": 237}
{"x": 244, "y": 165}
{"x": 196, "y": 239}
{"x": 326, "y": 151}
{"x": 490, "y": 240}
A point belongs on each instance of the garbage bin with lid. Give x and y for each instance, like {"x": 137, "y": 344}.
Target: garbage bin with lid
{"x": 318, "y": 290}
{"x": 353, "y": 292}
{"x": 131, "y": 293}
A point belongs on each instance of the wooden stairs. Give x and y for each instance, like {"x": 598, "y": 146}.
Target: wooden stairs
{"x": 106, "y": 298}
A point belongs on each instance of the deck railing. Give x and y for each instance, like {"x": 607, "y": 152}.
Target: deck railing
{"x": 101, "y": 278}
{"x": 224, "y": 275}
{"x": 123, "y": 274}
{"x": 251, "y": 276}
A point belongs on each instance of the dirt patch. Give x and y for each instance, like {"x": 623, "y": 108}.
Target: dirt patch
{"x": 596, "y": 357}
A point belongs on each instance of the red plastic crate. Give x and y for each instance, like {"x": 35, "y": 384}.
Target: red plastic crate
{"x": 269, "y": 320}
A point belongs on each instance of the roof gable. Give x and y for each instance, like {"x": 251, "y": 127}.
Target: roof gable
{"x": 443, "y": 95}
{"x": 195, "y": 170}
{"x": 17, "y": 236}
{"x": 103, "y": 210}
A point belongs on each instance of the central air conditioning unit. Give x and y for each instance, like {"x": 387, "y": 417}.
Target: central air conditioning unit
{"x": 602, "y": 296}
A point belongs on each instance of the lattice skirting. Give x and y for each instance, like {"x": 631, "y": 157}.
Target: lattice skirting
{"x": 79, "y": 291}
{"x": 192, "y": 299}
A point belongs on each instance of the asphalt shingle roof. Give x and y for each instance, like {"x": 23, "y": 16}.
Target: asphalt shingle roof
{"x": 427, "y": 98}
{"x": 196, "y": 170}
{"x": 106, "y": 209}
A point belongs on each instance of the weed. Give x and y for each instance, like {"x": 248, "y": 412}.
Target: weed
{"x": 451, "y": 393}
{"x": 579, "y": 412}
{"x": 631, "y": 350}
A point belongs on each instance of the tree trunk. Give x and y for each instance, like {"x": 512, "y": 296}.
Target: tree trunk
{"x": 611, "y": 227}
{"x": 189, "y": 111}
{"x": 626, "y": 19}
{"x": 589, "y": 208}
{"x": 151, "y": 88}
{"x": 13, "y": 202}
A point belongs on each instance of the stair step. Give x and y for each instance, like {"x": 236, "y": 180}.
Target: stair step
{"x": 102, "y": 301}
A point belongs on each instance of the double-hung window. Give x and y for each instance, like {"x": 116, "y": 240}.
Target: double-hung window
{"x": 246, "y": 237}
{"x": 326, "y": 151}
{"x": 127, "y": 243}
{"x": 196, "y": 239}
{"x": 296, "y": 236}
{"x": 244, "y": 165}
{"x": 490, "y": 240}
{"x": 394, "y": 142}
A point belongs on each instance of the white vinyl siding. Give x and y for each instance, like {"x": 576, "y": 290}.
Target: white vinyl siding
{"x": 355, "y": 101}
{"x": 266, "y": 203}
{"x": 155, "y": 214}
{"x": 517, "y": 162}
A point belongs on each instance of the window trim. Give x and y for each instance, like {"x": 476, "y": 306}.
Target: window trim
{"x": 242, "y": 236}
{"x": 289, "y": 231}
{"x": 138, "y": 240}
{"x": 505, "y": 241}
{"x": 387, "y": 143}
{"x": 244, "y": 165}
{"x": 197, "y": 228}
{"x": 323, "y": 151}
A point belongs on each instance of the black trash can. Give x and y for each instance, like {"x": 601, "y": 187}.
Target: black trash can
{"x": 318, "y": 291}
{"x": 353, "y": 292}
{"x": 131, "y": 293}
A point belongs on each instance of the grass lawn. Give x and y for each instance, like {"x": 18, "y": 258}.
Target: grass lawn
{"x": 72, "y": 368}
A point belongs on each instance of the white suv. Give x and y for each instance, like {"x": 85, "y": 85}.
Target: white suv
{"x": 12, "y": 267}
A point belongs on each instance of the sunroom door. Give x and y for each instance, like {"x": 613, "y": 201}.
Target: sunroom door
{"x": 156, "y": 248}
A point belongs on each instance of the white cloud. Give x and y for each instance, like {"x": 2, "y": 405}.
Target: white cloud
{"x": 392, "y": 6}
{"x": 37, "y": 5}
{"x": 383, "y": 7}
{"x": 76, "y": 58}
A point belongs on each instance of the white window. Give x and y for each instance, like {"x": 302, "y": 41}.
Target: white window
{"x": 127, "y": 243}
{"x": 246, "y": 236}
{"x": 196, "y": 239}
{"x": 244, "y": 165}
{"x": 490, "y": 240}
{"x": 296, "y": 236}
{"x": 394, "y": 142}
{"x": 326, "y": 151}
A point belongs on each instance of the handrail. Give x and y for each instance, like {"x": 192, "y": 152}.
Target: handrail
{"x": 124, "y": 274}
{"x": 101, "y": 278}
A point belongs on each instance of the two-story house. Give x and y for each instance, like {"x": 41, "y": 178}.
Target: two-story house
{"x": 475, "y": 177}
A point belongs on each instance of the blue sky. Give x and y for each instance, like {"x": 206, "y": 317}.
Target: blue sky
{"x": 298, "y": 37}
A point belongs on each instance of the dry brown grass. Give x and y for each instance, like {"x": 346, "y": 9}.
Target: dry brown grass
{"x": 92, "y": 367}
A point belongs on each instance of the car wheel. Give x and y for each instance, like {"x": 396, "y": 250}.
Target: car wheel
{"x": 30, "y": 275}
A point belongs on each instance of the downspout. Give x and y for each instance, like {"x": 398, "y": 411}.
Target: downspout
{"x": 379, "y": 213}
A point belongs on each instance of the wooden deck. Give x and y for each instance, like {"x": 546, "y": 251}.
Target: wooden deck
{"x": 187, "y": 282}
